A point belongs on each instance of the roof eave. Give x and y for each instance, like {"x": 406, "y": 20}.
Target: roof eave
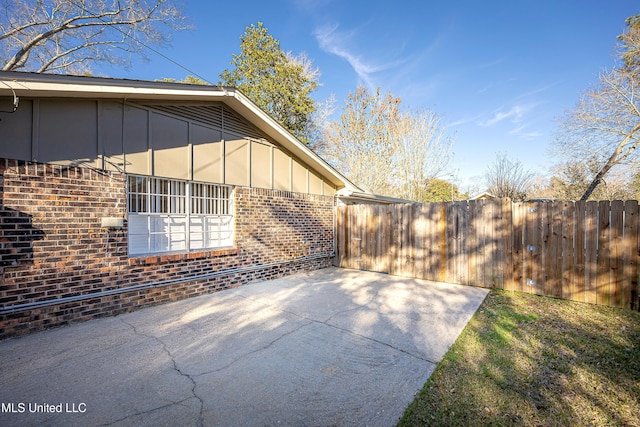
{"x": 360, "y": 196}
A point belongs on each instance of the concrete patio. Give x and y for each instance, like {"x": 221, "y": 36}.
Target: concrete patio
{"x": 330, "y": 347}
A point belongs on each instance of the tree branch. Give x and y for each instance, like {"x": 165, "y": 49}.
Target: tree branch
{"x": 27, "y": 35}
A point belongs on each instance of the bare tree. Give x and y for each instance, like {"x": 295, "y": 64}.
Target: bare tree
{"x": 319, "y": 122}
{"x": 385, "y": 150}
{"x": 508, "y": 178}
{"x": 605, "y": 124}
{"x": 361, "y": 144}
{"x": 423, "y": 151}
{"x": 68, "y": 35}
{"x": 570, "y": 179}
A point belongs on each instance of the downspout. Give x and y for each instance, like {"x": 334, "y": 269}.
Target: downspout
{"x": 335, "y": 230}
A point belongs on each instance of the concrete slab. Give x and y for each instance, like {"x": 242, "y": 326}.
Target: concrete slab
{"x": 330, "y": 347}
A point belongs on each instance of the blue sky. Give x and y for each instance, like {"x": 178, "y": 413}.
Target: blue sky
{"x": 499, "y": 73}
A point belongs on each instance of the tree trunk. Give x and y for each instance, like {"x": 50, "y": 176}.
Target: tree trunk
{"x": 613, "y": 159}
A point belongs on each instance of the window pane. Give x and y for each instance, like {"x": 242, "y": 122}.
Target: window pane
{"x": 138, "y": 234}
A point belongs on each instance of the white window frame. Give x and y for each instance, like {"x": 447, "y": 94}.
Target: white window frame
{"x": 170, "y": 215}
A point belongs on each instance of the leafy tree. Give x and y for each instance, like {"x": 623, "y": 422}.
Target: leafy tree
{"x": 629, "y": 45}
{"x": 384, "y": 150}
{"x": 508, "y": 178}
{"x": 605, "y": 125}
{"x": 439, "y": 190}
{"x": 67, "y": 36}
{"x": 277, "y": 82}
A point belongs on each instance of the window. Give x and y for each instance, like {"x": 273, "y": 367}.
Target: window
{"x": 167, "y": 215}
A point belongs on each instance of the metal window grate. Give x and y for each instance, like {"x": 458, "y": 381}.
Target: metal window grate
{"x": 168, "y": 215}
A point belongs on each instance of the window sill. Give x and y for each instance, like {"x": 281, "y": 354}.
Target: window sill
{"x": 182, "y": 256}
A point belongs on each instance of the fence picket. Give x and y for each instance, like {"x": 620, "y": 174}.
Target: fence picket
{"x": 568, "y": 212}
{"x": 518, "y": 247}
{"x": 498, "y": 258}
{"x": 604, "y": 260}
{"x": 472, "y": 243}
{"x": 630, "y": 255}
{"x": 487, "y": 241}
{"x": 442, "y": 241}
{"x": 432, "y": 242}
{"x": 463, "y": 232}
{"x": 554, "y": 273}
{"x": 616, "y": 279}
{"x": 591, "y": 252}
{"x": 507, "y": 243}
{"x": 546, "y": 227}
{"x": 579, "y": 253}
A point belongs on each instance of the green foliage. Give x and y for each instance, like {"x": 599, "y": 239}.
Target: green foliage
{"x": 630, "y": 45}
{"x": 277, "y": 82}
{"x": 438, "y": 190}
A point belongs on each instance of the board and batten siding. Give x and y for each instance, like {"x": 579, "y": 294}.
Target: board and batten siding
{"x": 200, "y": 142}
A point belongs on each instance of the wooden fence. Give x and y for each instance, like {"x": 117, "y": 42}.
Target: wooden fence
{"x": 583, "y": 251}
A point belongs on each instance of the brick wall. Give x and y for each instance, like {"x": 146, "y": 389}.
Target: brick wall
{"x": 52, "y": 246}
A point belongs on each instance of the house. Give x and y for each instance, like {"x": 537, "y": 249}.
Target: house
{"x": 119, "y": 194}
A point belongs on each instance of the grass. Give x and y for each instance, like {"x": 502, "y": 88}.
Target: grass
{"x": 535, "y": 361}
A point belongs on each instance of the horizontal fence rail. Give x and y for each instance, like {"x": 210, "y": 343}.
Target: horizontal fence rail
{"x": 581, "y": 251}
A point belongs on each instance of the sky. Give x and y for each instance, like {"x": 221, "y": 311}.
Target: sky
{"x": 499, "y": 73}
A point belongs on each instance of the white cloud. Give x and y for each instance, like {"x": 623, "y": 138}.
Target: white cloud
{"x": 514, "y": 114}
{"x": 516, "y": 117}
{"x": 333, "y": 41}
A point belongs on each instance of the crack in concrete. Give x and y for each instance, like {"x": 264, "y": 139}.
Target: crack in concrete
{"x": 264, "y": 347}
{"x": 179, "y": 402}
{"x": 175, "y": 368}
{"x": 419, "y": 357}
{"x": 326, "y": 323}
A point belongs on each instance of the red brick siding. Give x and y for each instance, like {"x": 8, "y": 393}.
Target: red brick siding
{"x": 52, "y": 245}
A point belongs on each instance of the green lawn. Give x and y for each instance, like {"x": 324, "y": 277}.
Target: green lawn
{"x": 536, "y": 361}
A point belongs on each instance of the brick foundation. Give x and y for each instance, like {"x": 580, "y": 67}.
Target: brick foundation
{"x": 52, "y": 246}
